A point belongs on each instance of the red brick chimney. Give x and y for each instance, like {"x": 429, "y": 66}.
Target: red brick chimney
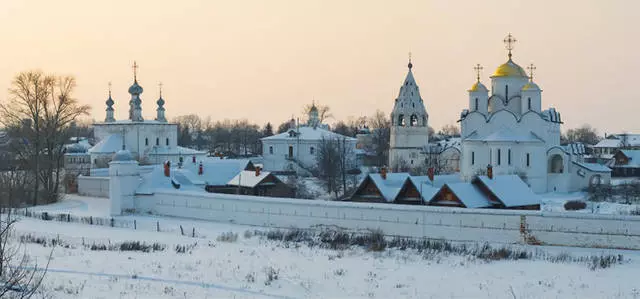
{"x": 258, "y": 169}
{"x": 383, "y": 173}
{"x": 430, "y": 173}
{"x": 490, "y": 172}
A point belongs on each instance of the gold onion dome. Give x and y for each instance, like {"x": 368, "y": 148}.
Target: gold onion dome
{"x": 531, "y": 86}
{"x": 509, "y": 69}
{"x": 478, "y": 87}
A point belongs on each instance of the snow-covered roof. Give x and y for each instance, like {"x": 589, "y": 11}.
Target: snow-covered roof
{"x": 510, "y": 190}
{"x": 504, "y": 135}
{"x": 307, "y": 133}
{"x": 469, "y": 194}
{"x": 389, "y": 187}
{"x": 109, "y": 144}
{"x": 155, "y": 179}
{"x": 608, "y": 143}
{"x": 174, "y": 150}
{"x": 447, "y": 142}
{"x": 428, "y": 189}
{"x": 78, "y": 147}
{"x": 248, "y": 178}
{"x": 633, "y": 156}
{"x": 595, "y": 167}
{"x": 129, "y": 122}
{"x": 216, "y": 171}
{"x": 614, "y": 141}
{"x": 575, "y": 148}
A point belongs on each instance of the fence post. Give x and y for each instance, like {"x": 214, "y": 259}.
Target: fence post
{"x": 193, "y": 233}
{"x": 91, "y": 220}
{"x": 68, "y": 217}
{"x": 181, "y": 230}
{"x": 135, "y": 226}
{"x": 158, "y": 226}
{"x": 111, "y": 221}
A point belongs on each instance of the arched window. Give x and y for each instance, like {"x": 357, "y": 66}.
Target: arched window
{"x": 556, "y": 164}
{"x": 413, "y": 120}
{"x": 528, "y": 162}
{"x": 529, "y": 101}
{"x": 146, "y": 141}
{"x": 476, "y": 105}
{"x": 499, "y": 156}
{"x": 506, "y": 92}
{"x": 401, "y": 120}
{"x": 157, "y": 141}
{"x": 509, "y": 156}
{"x": 167, "y": 142}
{"x": 413, "y": 105}
{"x": 473, "y": 158}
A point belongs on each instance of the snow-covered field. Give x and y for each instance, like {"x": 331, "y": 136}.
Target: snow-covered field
{"x": 239, "y": 269}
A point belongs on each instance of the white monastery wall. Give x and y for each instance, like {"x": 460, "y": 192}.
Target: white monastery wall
{"x": 93, "y": 186}
{"x": 504, "y": 226}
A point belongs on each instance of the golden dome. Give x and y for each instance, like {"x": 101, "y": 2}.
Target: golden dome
{"x": 478, "y": 87}
{"x": 530, "y": 86}
{"x": 509, "y": 69}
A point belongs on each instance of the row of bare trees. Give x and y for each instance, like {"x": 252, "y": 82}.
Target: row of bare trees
{"x": 37, "y": 116}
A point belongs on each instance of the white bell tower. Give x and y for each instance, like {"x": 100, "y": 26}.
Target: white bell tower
{"x": 409, "y": 129}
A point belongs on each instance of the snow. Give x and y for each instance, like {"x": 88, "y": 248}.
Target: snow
{"x": 308, "y": 133}
{"x": 109, "y": 144}
{"x": 391, "y": 186}
{"x": 510, "y": 190}
{"x": 633, "y": 156}
{"x": 215, "y": 269}
{"x": 248, "y": 178}
{"x": 505, "y": 135}
{"x": 595, "y": 167}
{"x": 469, "y": 195}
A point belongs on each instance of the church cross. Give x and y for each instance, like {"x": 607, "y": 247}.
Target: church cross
{"x": 531, "y": 68}
{"x": 160, "y": 87}
{"x": 109, "y": 88}
{"x": 410, "y": 64}
{"x": 509, "y": 41}
{"x": 478, "y": 68}
{"x": 135, "y": 71}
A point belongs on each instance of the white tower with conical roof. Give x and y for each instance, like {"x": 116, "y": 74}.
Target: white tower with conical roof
{"x": 409, "y": 127}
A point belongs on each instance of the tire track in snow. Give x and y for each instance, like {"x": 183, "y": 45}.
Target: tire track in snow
{"x": 155, "y": 279}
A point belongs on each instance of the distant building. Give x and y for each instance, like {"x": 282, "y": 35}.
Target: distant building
{"x": 604, "y": 150}
{"x": 149, "y": 141}
{"x": 625, "y": 163}
{"x": 296, "y": 150}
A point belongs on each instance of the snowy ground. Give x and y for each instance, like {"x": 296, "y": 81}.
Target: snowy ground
{"x": 217, "y": 269}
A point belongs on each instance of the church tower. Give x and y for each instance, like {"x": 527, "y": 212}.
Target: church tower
{"x": 135, "y": 104}
{"x": 409, "y": 129}
{"x": 109, "y": 102}
{"x": 160, "y": 110}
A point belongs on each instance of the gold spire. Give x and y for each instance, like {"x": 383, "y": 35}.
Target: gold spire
{"x": 509, "y": 41}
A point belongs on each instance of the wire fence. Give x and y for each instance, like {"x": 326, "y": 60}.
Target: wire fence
{"x": 145, "y": 225}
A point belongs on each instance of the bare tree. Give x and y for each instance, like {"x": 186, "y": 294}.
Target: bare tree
{"x": 584, "y": 134}
{"x": 39, "y": 113}
{"x": 380, "y": 128}
{"x": 450, "y": 130}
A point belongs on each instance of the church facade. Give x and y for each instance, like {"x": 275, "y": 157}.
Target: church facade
{"x": 507, "y": 129}
{"x": 149, "y": 141}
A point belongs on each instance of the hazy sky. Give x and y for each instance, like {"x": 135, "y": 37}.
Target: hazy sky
{"x": 264, "y": 60}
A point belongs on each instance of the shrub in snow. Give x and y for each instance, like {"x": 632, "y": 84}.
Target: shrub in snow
{"x": 271, "y": 275}
{"x": 227, "y": 237}
{"x": 339, "y": 272}
{"x": 574, "y": 205}
{"x": 251, "y": 277}
{"x": 635, "y": 211}
{"x": 248, "y": 234}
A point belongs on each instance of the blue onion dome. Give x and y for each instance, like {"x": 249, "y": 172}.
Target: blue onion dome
{"x": 160, "y": 102}
{"x": 109, "y": 102}
{"x": 135, "y": 88}
{"x": 122, "y": 155}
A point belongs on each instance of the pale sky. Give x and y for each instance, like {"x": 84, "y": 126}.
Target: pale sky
{"x": 264, "y": 60}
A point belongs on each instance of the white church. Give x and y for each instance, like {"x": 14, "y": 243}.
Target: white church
{"x": 504, "y": 128}
{"x": 149, "y": 141}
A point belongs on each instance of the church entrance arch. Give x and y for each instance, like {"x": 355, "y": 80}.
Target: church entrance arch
{"x": 556, "y": 164}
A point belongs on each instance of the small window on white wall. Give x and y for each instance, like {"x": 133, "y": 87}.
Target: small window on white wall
{"x": 312, "y": 150}
{"x": 509, "y": 156}
{"x": 270, "y": 150}
{"x": 528, "y": 160}
{"x": 529, "y": 103}
{"x": 167, "y": 142}
{"x": 473, "y": 158}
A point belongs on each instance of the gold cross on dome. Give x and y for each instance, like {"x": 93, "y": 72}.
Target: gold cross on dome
{"x": 531, "y": 68}
{"x": 509, "y": 41}
{"x": 135, "y": 71}
{"x": 478, "y": 68}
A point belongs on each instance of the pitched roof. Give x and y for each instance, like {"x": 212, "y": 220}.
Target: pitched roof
{"x": 633, "y": 156}
{"x": 510, "y": 190}
{"x": 595, "y": 167}
{"x": 469, "y": 194}
{"x": 248, "y": 178}
{"x": 109, "y": 144}
{"x": 307, "y": 133}
{"x": 217, "y": 172}
{"x": 391, "y": 186}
